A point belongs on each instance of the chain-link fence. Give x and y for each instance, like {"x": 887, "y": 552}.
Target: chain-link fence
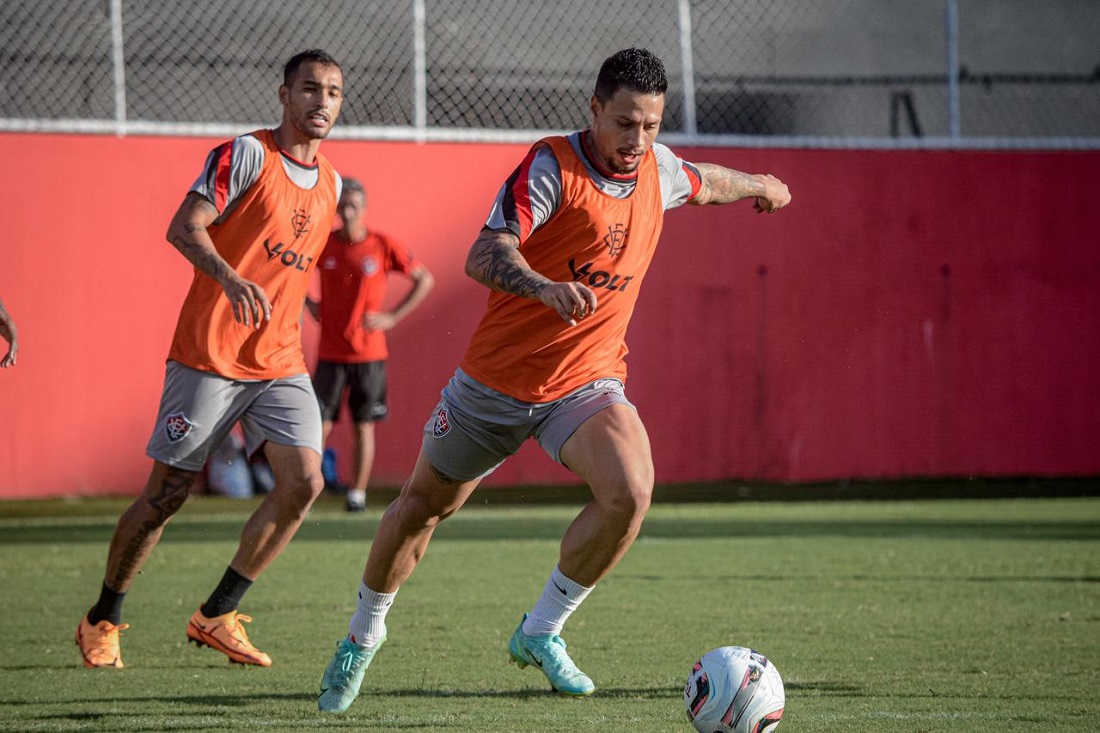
{"x": 884, "y": 73}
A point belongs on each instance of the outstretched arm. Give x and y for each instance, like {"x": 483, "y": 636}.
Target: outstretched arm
{"x": 495, "y": 261}
{"x": 722, "y": 185}
{"x": 187, "y": 233}
{"x": 10, "y": 333}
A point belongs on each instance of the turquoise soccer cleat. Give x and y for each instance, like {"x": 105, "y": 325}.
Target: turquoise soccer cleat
{"x": 344, "y": 676}
{"x": 547, "y": 652}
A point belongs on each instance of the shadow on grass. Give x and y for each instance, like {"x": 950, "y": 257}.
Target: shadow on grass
{"x": 193, "y": 700}
{"x": 475, "y": 526}
{"x": 804, "y": 689}
{"x": 244, "y": 700}
{"x": 821, "y": 688}
{"x": 831, "y": 689}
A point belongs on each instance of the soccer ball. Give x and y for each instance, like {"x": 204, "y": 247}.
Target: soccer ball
{"x": 734, "y": 690}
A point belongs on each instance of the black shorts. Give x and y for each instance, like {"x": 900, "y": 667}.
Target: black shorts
{"x": 366, "y": 383}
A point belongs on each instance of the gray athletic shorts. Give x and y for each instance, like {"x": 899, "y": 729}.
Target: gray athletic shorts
{"x": 198, "y": 409}
{"x": 474, "y": 428}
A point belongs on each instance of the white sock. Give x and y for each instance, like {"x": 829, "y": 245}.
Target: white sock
{"x": 368, "y": 623}
{"x": 560, "y": 598}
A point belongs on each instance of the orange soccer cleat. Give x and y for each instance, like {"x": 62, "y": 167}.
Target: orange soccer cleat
{"x": 99, "y": 643}
{"x": 226, "y": 634}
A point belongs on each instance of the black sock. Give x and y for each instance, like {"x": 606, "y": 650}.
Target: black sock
{"x": 227, "y": 596}
{"x": 109, "y": 606}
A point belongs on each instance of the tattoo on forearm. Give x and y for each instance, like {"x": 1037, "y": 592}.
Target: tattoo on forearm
{"x": 499, "y": 265}
{"x": 189, "y": 235}
{"x": 198, "y": 255}
{"x": 726, "y": 185}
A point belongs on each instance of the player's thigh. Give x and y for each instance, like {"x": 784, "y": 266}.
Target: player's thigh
{"x": 471, "y": 432}
{"x": 284, "y": 413}
{"x": 611, "y": 452}
{"x": 428, "y": 493}
{"x": 567, "y": 414}
{"x": 367, "y": 387}
{"x": 295, "y": 467}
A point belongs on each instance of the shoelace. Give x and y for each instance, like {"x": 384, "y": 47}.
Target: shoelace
{"x": 237, "y": 620}
{"x": 233, "y": 626}
{"x": 106, "y": 641}
{"x": 350, "y": 660}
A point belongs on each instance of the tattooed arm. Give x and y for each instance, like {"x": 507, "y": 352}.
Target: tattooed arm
{"x": 187, "y": 233}
{"x": 722, "y": 185}
{"x": 495, "y": 261}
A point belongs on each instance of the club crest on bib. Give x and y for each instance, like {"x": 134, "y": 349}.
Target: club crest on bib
{"x": 369, "y": 265}
{"x": 442, "y": 423}
{"x": 299, "y": 220}
{"x": 177, "y": 426}
{"x": 615, "y": 239}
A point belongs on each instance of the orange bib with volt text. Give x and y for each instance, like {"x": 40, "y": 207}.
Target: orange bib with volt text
{"x": 273, "y": 237}
{"x": 523, "y": 348}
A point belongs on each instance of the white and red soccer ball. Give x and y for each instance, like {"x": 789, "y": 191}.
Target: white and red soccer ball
{"x": 734, "y": 690}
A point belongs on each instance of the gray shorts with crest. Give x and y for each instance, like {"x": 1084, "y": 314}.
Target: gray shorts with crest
{"x": 474, "y": 428}
{"x": 198, "y": 409}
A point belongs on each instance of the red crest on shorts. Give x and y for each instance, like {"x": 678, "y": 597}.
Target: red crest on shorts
{"x": 177, "y": 426}
{"x": 442, "y": 425}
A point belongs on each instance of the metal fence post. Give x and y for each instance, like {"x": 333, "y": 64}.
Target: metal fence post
{"x": 952, "y": 28}
{"x": 420, "y": 69}
{"x": 687, "y": 66}
{"x": 118, "y": 61}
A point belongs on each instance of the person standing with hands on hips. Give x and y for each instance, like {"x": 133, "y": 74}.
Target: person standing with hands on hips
{"x": 252, "y": 226}
{"x": 563, "y": 253}
{"x": 352, "y": 353}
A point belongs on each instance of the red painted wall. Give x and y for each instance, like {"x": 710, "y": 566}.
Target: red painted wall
{"x": 911, "y": 314}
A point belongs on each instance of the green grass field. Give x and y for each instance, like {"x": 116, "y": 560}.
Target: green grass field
{"x": 975, "y": 616}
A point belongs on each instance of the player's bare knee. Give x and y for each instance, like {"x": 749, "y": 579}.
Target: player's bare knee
{"x": 166, "y": 491}
{"x": 316, "y": 485}
{"x": 629, "y": 501}
{"x": 310, "y": 487}
{"x": 417, "y": 510}
{"x": 297, "y": 492}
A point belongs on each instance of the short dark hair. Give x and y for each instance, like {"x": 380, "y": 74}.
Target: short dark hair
{"x": 353, "y": 185}
{"x": 309, "y": 56}
{"x": 634, "y": 68}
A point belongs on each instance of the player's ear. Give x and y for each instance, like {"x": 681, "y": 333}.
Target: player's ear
{"x": 595, "y": 106}
{"x": 283, "y": 91}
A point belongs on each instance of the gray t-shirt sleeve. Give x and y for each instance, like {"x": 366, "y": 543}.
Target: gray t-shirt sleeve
{"x": 533, "y": 192}
{"x": 230, "y": 169}
{"x": 530, "y": 196}
{"x": 680, "y": 180}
